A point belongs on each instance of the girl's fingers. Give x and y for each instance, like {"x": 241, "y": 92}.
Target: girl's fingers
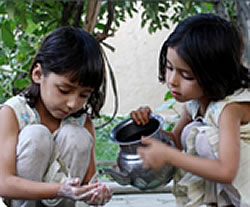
{"x": 72, "y": 181}
{"x": 136, "y": 117}
{"x": 141, "y": 152}
{"x": 146, "y": 140}
{"x": 85, "y": 196}
{"x": 141, "y": 115}
{"x": 101, "y": 195}
{"x": 87, "y": 188}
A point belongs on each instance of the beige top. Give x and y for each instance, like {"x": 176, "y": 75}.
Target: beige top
{"x": 27, "y": 115}
{"x": 57, "y": 171}
{"x": 196, "y": 187}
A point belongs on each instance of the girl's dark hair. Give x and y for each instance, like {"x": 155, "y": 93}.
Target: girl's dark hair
{"x": 213, "y": 48}
{"x": 73, "y": 51}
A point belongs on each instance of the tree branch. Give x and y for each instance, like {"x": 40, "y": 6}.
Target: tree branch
{"x": 243, "y": 18}
{"x": 91, "y": 16}
{"x": 67, "y": 12}
{"x": 78, "y": 15}
{"x": 105, "y": 33}
{"x": 221, "y": 9}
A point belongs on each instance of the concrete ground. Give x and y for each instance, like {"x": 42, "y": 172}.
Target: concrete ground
{"x": 128, "y": 196}
{"x": 135, "y": 200}
{"x": 142, "y": 200}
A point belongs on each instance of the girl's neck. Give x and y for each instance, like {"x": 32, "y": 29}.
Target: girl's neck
{"x": 46, "y": 118}
{"x": 203, "y": 104}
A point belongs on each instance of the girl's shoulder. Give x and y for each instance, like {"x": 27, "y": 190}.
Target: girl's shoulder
{"x": 192, "y": 108}
{"x": 215, "y": 109}
{"x": 18, "y": 104}
{"x": 24, "y": 113}
{"x": 16, "y": 100}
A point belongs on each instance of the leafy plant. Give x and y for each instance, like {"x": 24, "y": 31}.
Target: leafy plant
{"x": 169, "y": 106}
{"x": 106, "y": 150}
{"x": 24, "y": 24}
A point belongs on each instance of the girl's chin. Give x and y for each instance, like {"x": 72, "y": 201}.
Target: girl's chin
{"x": 181, "y": 99}
{"x": 59, "y": 115}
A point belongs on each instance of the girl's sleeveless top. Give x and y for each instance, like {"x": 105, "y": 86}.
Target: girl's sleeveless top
{"x": 26, "y": 115}
{"x": 195, "y": 185}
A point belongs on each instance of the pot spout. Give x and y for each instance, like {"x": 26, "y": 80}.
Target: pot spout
{"x": 120, "y": 177}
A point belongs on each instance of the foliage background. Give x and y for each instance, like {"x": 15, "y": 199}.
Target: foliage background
{"x": 24, "y": 24}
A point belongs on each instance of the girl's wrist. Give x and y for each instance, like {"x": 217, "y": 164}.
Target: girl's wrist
{"x": 170, "y": 135}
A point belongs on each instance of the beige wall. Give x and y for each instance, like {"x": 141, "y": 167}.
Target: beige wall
{"x": 135, "y": 65}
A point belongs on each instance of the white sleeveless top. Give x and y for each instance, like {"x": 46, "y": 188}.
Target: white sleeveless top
{"x": 195, "y": 185}
{"x": 56, "y": 172}
{"x": 26, "y": 115}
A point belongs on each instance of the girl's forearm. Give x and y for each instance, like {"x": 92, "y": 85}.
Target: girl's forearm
{"x": 19, "y": 188}
{"x": 213, "y": 170}
{"x": 174, "y": 138}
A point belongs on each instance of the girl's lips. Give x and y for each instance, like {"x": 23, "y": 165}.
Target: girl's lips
{"x": 63, "y": 113}
{"x": 175, "y": 94}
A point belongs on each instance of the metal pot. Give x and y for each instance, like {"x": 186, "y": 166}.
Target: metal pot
{"x": 128, "y": 135}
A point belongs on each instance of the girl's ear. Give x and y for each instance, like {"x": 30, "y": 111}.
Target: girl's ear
{"x": 36, "y": 74}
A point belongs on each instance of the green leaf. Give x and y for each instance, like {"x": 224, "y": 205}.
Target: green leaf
{"x": 24, "y": 47}
{"x": 3, "y": 60}
{"x": 168, "y": 96}
{"x": 2, "y": 8}
{"x": 10, "y": 9}
{"x": 31, "y": 26}
{"x": 2, "y": 99}
{"x": 21, "y": 83}
{"x": 167, "y": 105}
{"x": 26, "y": 65}
{"x": 7, "y": 35}
{"x": 100, "y": 26}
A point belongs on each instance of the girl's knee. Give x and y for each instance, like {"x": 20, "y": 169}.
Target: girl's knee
{"x": 74, "y": 138}
{"x": 34, "y": 151}
{"x": 203, "y": 147}
{"x": 74, "y": 135}
{"x": 185, "y": 132}
{"x": 35, "y": 138}
{"x": 35, "y": 130}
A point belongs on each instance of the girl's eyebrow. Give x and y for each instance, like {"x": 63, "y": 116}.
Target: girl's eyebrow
{"x": 65, "y": 84}
{"x": 179, "y": 69}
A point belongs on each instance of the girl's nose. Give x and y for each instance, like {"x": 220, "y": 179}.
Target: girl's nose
{"x": 172, "y": 78}
{"x": 72, "y": 102}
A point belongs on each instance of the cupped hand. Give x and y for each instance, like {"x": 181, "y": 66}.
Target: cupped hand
{"x": 72, "y": 190}
{"x": 141, "y": 115}
{"x": 101, "y": 195}
{"x": 92, "y": 194}
{"x": 154, "y": 153}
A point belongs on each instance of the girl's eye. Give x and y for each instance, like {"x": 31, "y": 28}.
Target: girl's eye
{"x": 187, "y": 76}
{"x": 63, "y": 91}
{"x": 84, "y": 96}
{"x": 169, "y": 68}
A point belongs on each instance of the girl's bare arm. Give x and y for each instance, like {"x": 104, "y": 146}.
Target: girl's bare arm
{"x": 15, "y": 187}
{"x": 92, "y": 166}
{"x": 177, "y": 130}
{"x": 222, "y": 170}
{"x": 10, "y": 184}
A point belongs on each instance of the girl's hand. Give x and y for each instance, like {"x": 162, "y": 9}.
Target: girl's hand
{"x": 102, "y": 194}
{"x": 72, "y": 190}
{"x": 141, "y": 115}
{"x": 154, "y": 153}
{"x": 92, "y": 194}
